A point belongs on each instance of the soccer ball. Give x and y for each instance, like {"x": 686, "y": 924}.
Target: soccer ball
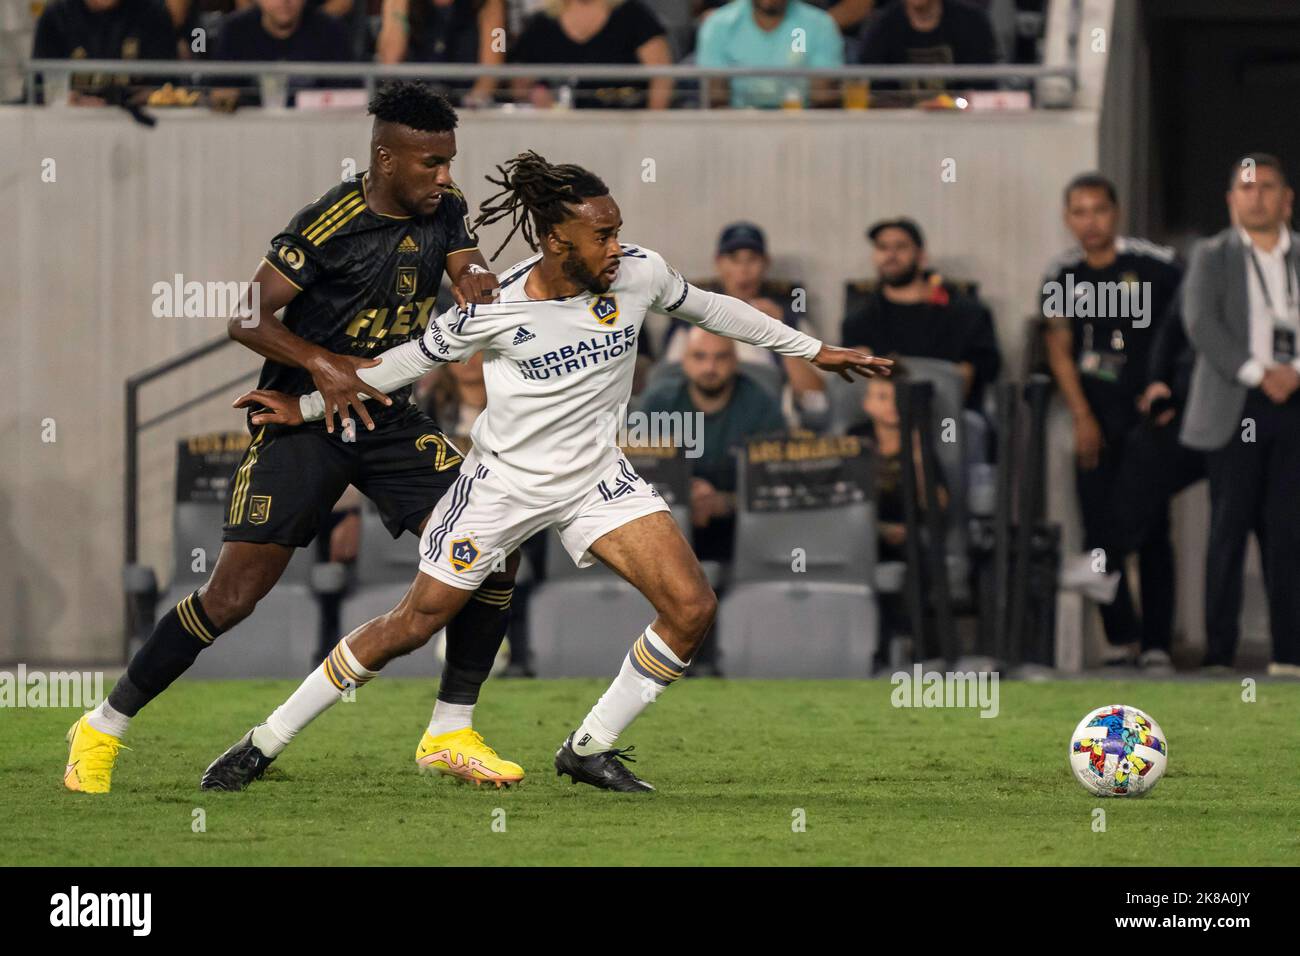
{"x": 1118, "y": 751}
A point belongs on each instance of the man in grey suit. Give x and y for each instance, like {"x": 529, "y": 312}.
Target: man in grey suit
{"x": 1242, "y": 311}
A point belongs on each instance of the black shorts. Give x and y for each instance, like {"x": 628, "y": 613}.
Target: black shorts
{"x": 291, "y": 477}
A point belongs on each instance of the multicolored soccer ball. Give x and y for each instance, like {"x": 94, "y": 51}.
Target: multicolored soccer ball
{"x": 1118, "y": 751}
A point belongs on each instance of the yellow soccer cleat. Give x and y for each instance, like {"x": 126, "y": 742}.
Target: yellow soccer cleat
{"x": 91, "y": 759}
{"x": 463, "y": 754}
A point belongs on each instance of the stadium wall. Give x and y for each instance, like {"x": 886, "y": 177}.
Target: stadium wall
{"x": 105, "y": 209}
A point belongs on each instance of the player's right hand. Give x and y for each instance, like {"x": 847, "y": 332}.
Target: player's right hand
{"x": 338, "y": 383}
{"x": 275, "y": 408}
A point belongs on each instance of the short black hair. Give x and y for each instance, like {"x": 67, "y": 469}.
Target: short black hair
{"x": 1267, "y": 160}
{"x": 1093, "y": 180}
{"x": 414, "y": 104}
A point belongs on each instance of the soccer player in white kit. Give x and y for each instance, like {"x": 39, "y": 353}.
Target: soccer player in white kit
{"x": 559, "y": 351}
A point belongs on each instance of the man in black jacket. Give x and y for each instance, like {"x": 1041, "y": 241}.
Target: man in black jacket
{"x": 912, "y": 312}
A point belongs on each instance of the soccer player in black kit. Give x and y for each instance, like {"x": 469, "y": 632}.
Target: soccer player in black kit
{"x": 356, "y": 272}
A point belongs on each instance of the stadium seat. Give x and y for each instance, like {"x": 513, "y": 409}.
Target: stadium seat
{"x": 839, "y": 544}
{"x": 583, "y": 626}
{"x": 806, "y": 629}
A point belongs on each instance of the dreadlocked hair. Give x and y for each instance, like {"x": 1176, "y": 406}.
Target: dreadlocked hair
{"x": 535, "y": 194}
{"x": 413, "y": 104}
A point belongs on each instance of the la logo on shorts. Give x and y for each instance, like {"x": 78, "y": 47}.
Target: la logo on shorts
{"x": 605, "y": 309}
{"x": 463, "y": 554}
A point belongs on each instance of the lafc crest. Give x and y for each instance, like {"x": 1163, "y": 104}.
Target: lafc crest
{"x": 259, "y": 509}
{"x": 406, "y": 279}
{"x": 605, "y": 309}
{"x": 444, "y": 455}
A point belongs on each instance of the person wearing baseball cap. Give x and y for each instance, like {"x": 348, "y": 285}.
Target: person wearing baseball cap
{"x": 911, "y": 311}
{"x": 741, "y": 261}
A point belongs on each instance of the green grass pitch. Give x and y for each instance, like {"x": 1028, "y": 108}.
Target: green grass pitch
{"x": 734, "y": 762}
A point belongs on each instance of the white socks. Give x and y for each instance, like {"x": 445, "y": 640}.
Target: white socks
{"x": 648, "y": 669}
{"x": 448, "y": 717}
{"x": 109, "y": 721}
{"x": 324, "y": 687}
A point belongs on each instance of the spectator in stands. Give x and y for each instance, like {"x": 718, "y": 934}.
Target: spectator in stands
{"x": 454, "y": 395}
{"x": 755, "y": 33}
{"x": 883, "y": 431}
{"x": 103, "y": 30}
{"x": 742, "y": 264}
{"x": 919, "y": 32}
{"x": 1243, "y": 317}
{"x": 734, "y": 409}
{"x": 338, "y": 9}
{"x": 1105, "y": 300}
{"x": 913, "y": 312}
{"x": 278, "y": 30}
{"x": 847, "y": 14}
{"x": 446, "y": 31}
{"x": 593, "y": 32}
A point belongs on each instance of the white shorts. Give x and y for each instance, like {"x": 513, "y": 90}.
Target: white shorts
{"x": 479, "y": 521}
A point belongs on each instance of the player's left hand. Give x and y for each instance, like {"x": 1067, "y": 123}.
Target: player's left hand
{"x": 277, "y": 408}
{"x": 843, "y": 361}
{"x": 479, "y": 288}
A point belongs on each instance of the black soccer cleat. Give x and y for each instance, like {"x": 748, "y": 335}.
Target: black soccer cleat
{"x": 237, "y": 767}
{"x": 604, "y": 770}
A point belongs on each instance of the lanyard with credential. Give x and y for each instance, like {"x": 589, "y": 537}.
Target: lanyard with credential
{"x": 1282, "y": 317}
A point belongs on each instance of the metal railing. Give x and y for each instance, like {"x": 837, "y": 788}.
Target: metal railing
{"x": 202, "y": 71}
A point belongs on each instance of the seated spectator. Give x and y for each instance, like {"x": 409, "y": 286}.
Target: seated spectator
{"x": 912, "y": 312}
{"x": 755, "y": 33}
{"x": 742, "y": 263}
{"x": 734, "y": 409}
{"x": 847, "y": 14}
{"x": 454, "y": 395}
{"x": 338, "y": 9}
{"x": 593, "y": 32}
{"x": 103, "y": 30}
{"x": 446, "y": 31}
{"x": 278, "y": 30}
{"x": 921, "y": 32}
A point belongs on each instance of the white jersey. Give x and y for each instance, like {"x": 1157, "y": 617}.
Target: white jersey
{"x": 558, "y": 372}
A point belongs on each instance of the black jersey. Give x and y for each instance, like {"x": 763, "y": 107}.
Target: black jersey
{"x": 1112, "y": 345}
{"x": 368, "y": 280}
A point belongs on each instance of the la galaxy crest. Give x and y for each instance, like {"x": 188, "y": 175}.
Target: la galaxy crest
{"x": 605, "y": 309}
{"x": 464, "y": 552}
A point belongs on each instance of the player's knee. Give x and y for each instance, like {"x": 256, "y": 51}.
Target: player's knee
{"x": 228, "y": 603}
{"x": 692, "y": 614}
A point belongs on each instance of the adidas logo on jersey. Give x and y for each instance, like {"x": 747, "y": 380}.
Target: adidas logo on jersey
{"x": 407, "y": 245}
{"x": 522, "y": 335}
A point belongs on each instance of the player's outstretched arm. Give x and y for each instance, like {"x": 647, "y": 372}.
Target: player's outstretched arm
{"x": 728, "y": 316}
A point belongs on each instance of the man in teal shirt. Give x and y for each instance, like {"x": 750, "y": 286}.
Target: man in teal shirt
{"x": 734, "y": 408}
{"x": 778, "y": 33}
